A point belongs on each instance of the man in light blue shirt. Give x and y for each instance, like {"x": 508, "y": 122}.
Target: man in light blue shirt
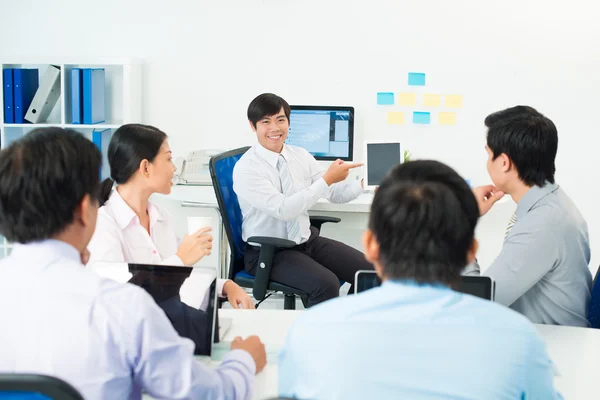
{"x": 414, "y": 337}
{"x": 542, "y": 270}
{"x": 108, "y": 340}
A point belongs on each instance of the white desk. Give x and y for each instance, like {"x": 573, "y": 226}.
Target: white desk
{"x": 206, "y": 195}
{"x": 201, "y": 201}
{"x": 575, "y": 351}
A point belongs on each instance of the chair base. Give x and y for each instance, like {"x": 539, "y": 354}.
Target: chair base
{"x": 289, "y": 302}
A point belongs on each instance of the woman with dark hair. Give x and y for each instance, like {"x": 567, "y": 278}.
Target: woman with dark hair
{"x": 130, "y": 228}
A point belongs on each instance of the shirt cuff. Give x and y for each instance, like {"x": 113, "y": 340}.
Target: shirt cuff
{"x": 173, "y": 260}
{"x": 241, "y": 356}
{"x": 220, "y": 284}
{"x": 357, "y": 189}
{"x": 320, "y": 187}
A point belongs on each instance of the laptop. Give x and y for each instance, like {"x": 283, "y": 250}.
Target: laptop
{"x": 479, "y": 286}
{"x": 187, "y": 295}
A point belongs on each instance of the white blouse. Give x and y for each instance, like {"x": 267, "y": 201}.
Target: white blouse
{"x": 120, "y": 237}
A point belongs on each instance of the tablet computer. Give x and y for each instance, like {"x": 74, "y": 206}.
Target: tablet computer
{"x": 380, "y": 158}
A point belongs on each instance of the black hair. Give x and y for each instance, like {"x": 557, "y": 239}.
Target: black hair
{"x": 129, "y": 146}
{"x": 423, "y": 216}
{"x": 265, "y": 105}
{"x": 528, "y": 138}
{"x": 44, "y": 177}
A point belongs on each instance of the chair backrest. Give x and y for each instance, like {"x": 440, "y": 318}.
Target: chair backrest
{"x": 594, "y": 307}
{"x": 33, "y": 386}
{"x": 221, "y": 173}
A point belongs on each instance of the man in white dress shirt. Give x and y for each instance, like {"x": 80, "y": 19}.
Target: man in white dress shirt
{"x": 276, "y": 184}
{"x": 109, "y": 340}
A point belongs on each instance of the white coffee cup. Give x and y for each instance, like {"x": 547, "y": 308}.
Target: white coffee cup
{"x": 196, "y": 223}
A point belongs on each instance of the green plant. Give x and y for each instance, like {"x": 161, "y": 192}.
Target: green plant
{"x": 406, "y": 155}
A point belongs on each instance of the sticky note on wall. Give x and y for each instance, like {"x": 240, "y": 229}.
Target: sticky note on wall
{"x": 432, "y": 100}
{"x": 447, "y": 118}
{"x": 416, "y": 79}
{"x": 385, "y": 98}
{"x": 395, "y": 118}
{"x": 407, "y": 99}
{"x": 421, "y": 117}
{"x": 453, "y": 101}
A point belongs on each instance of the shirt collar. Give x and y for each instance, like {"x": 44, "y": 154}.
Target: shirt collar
{"x": 533, "y": 196}
{"x": 411, "y": 283}
{"x": 124, "y": 214}
{"x": 269, "y": 156}
{"x": 47, "y": 250}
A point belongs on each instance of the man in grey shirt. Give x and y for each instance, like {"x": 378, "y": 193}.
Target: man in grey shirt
{"x": 542, "y": 270}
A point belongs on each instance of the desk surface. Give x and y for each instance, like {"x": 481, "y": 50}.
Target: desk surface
{"x": 575, "y": 351}
{"x": 206, "y": 195}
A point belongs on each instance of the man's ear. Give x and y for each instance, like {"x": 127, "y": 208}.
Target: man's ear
{"x": 371, "y": 246}
{"x": 252, "y": 126}
{"x": 507, "y": 163}
{"x": 472, "y": 252}
{"x": 83, "y": 213}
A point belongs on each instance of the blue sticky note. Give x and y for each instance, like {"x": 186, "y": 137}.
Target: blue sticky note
{"x": 421, "y": 117}
{"x": 385, "y": 98}
{"x": 416, "y": 79}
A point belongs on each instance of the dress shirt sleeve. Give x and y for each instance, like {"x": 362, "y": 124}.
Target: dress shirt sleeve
{"x": 339, "y": 193}
{"x": 539, "y": 373}
{"x": 528, "y": 253}
{"x": 252, "y": 186}
{"x": 344, "y": 192}
{"x": 220, "y": 284}
{"x": 163, "y": 363}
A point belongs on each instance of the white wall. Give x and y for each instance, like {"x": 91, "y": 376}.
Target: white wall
{"x": 204, "y": 61}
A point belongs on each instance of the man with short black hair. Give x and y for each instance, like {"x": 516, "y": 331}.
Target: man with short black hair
{"x": 414, "y": 337}
{"x": 276, "y": 185}
{"x": 542, "y": 270}
{"x": 109, "y": 340}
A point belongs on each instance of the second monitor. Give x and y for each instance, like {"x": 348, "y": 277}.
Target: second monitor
{"x": 326, "y": 132}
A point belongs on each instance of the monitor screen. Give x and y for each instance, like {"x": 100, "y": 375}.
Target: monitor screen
{"x": 326, "y": 132}
{"x": 479, "y": 286}
{"x": 187, "y": 295}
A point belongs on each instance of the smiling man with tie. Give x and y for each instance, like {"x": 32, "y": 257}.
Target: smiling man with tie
{"x": 276, "y": 184}
{"x": 542, "y": 270}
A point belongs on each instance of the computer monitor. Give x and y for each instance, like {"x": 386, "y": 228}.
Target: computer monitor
{"x": 479, "y": 286}
{"x": 187, "y": 295}
{"x": 326, "y": 132}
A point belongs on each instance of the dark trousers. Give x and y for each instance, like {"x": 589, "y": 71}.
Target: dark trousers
{"x": 315, "y": 266}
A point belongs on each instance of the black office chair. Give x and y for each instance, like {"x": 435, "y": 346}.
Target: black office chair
{"x": 221, "y": 172}
{"x": 31, "y": 384}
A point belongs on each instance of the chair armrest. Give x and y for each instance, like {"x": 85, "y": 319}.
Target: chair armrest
{"x": 265, "y": 262}
{"x": 271, "y": 241}
{"x": 318, "y": 220}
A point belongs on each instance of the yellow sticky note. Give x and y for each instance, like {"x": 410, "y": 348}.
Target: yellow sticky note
{"x": 447, "y": 118}
{"x": 396, "y": 118}
{"x": 431, "y": 100}
{"x": 453, "y": 101}
{"x": 407, "y": 99}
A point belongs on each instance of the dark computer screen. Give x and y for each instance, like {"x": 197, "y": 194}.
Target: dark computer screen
{"x": 381, "y": 158}
{"x": 480, "y": 286}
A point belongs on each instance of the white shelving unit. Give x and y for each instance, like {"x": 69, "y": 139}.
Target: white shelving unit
{"x": 123, "y": 94}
